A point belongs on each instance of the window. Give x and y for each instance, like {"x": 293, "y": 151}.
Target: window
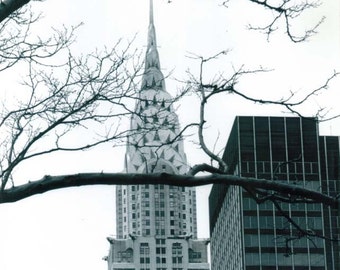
{"x": 144, "y": 248}
{"x": 177, "y": 260}
{"x": 160, "y": 241}
{"x": 125, "y": 256}
{"x": 176, "y": 249}
{"x": 160, "y": 250}
{"x": 145, "y": 260}
{"x": 194, "y": 257}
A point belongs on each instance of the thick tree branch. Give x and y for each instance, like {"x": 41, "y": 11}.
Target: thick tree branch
{"x": 56, "y": 182}
{"x": 204, "y": 168}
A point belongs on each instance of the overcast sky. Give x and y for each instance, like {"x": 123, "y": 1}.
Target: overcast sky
{"x": 66, "y": 229}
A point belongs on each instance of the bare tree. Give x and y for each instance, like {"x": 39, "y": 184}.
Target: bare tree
{"x": 284, "y": 15}
{"x": 79, "y": 93}
{"x": 96, "y": 93}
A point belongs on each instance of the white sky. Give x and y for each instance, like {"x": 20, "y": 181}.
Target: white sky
{"x": 66, "y": 229}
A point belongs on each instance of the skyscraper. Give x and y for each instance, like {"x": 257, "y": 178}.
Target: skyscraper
{"x": 156, "y": 224}
{"x": 248, "y": 236}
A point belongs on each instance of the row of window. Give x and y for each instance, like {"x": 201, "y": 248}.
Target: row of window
{"x": 157, "y": 187}
{"x": 268, "y": 240}
{"x": 280, "y": 167}
{"x": 250, "y": 204}
{"x": 299, "y": 259}
{"x": 267, "y": 222}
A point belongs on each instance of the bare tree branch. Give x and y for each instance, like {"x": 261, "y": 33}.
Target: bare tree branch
{"x": 228, "y": 85}
{"x": 288, "y": 11}
{"x": 55, "y": 182}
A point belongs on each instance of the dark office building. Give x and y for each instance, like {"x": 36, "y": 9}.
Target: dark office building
{"x": 247, "y": 235}
{"x": 330, "y": 175}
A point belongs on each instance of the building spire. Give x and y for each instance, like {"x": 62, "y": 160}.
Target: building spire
{"x": 151, "y": 12}
{"x": 152, "y": 44}
{"x": 152, "y": 73}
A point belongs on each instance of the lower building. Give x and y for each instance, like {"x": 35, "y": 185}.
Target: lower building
{"x": 246, "y": 235}
{"x": 146, "y": 253}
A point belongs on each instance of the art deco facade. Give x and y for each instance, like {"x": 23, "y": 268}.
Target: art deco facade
{"x": 156, "y": 224}
{"x": 248, "y": 236}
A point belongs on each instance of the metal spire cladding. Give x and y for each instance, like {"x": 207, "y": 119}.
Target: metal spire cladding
{"x": 152, "y": 141}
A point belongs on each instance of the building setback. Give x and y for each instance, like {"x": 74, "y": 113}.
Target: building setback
{"x": 156, "y": 224}
{"x": 248, "y": 236}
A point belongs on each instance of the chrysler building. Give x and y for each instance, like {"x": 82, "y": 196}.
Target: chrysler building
{"x": 156, "y": 224}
